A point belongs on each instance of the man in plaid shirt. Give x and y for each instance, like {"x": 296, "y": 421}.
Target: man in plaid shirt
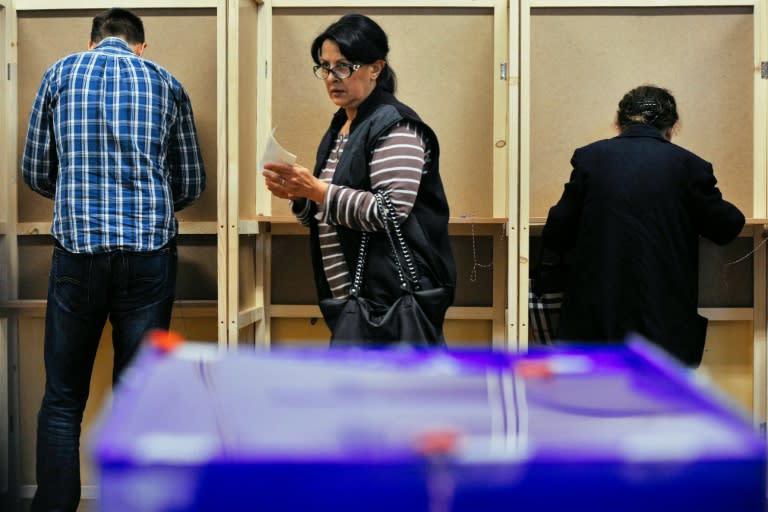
{"x": 112, "y": 141}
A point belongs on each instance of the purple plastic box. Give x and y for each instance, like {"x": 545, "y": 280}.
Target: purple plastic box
{"x": 607, "y": 428}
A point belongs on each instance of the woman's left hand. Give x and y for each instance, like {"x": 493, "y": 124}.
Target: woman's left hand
{"x": 293, "y": 182}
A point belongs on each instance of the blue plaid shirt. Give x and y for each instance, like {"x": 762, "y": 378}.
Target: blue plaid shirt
{"x": 112, "y": 140}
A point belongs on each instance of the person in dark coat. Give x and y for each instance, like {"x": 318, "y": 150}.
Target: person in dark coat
{"x": 630, "y": 218}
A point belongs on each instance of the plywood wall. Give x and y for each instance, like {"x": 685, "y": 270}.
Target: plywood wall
{"x": 4, "y": 125}
{"x": 584, "y": 60}
{"x": 443, "y": 60}
{"x": 182, "y": 40}
{"x": 32, "y": 379}
{"x": 728, "y": 360}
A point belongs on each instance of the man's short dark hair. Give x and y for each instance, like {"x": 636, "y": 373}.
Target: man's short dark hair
{"x": 119, "y": 23}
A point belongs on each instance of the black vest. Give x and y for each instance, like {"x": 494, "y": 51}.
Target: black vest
{"x": 426, "y": 229}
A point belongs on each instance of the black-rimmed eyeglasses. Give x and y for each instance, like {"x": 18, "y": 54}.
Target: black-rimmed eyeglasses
{"x": 340, "y": 71}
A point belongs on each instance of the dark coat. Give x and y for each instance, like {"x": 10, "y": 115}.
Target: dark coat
{"x": 631, "y": 216}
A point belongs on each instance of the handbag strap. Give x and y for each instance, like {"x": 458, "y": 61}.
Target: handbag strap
{"x": 388, "y": 218}
{"x": 357, "y": 280}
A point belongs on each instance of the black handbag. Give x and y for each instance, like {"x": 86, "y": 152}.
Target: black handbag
{"x": 414, "y": 319}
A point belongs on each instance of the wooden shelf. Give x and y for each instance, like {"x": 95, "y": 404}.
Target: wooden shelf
{"x": 41, "y": 5}
{"x": 287, "y": 225}
{"x": 313, "y": 311}
{"x": 536, "y": 225}
{"x": 256, "y": 314}
{"x": 639, "y": 3}
{"x": 289, "y": 219}
{"x": 36, "y": 308}
{"x": 383, "y": 3}
{"x": 185, "y": 228}
{"x": 727, "y": 314}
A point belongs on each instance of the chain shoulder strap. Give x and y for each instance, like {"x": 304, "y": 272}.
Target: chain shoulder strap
{"x": 357, "y": 281}
{"x": 406, "y": 268}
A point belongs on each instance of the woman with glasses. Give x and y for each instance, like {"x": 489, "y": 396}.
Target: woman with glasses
{"x": 374, "y": 143}
{"x": 630, "y": 217}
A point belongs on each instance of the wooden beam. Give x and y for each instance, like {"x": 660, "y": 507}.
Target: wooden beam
{"x": 69, "y": 5}
{"x": 36, "y": 308}
{"x": 384, "y": 3}
{"x": 250, "y": 316}
{"x": 185, "y": 228}
{"x": 640, "y": 3}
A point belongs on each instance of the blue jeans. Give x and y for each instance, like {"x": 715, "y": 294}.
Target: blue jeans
{"x": 135, "y": 291}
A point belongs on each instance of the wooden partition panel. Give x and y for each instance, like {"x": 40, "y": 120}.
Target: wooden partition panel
{"x": 476, "y": 272}
{"x": 34, "y": 263}
{"x": 312, "y": 332}
{"x": 728, "y": 360}
{"x": 443, "y": 60}
{"x": 196, "y": 279}
{"x": 185, "y": 41}
{"x": 726, "y": 274}
{"x": 181, "y": 40}
{"x": 250, "y": 250}
{"x": 293, "y": 285}
{"x": 32, "y": 377}
{"x": 4, "y": 261}
{"x": 296, "y": 332}
{"x": 726, "y": 291}
{"x": 293, "y": 282}
{"x": 5, "y": 401}
{"x": 248, "y": 114}
{"x": 7, "y": 199}
{"x": 583, "y": 60}
{"x": 291, "y": 271}
{"x": 5, "y": 162}
{"x": 469, "y": 334}
{"x": 247, "y": 88}
{"x": 8, "y": 473}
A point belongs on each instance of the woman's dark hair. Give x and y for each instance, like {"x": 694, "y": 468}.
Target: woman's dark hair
{"x": 362, "y": 41}
{"x": 647, "y": 104}
{"x": 117, "y": 22}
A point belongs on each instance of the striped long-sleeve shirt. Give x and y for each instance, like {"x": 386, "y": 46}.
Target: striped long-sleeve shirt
{"x": 396, "y": 166}
{"x": 112, "y": 140}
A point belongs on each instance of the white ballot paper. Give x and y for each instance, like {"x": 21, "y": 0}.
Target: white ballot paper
{"x": 274, "y": 152}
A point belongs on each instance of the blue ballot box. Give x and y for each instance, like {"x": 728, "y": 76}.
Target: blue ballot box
{"x": 606, "y": 428}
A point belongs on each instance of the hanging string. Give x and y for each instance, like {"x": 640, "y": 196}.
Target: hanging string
{"x": 475, "y": 263}
{"x": 750, "y": 253}
{"x": 739, "y": 260}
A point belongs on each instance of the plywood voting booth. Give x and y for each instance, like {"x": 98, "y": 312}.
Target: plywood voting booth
{"x": 188, "y": 39}
{"x": 577, "y": 61}
{"x": 510, "y": 87}
{"x": 468, "y": 112}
